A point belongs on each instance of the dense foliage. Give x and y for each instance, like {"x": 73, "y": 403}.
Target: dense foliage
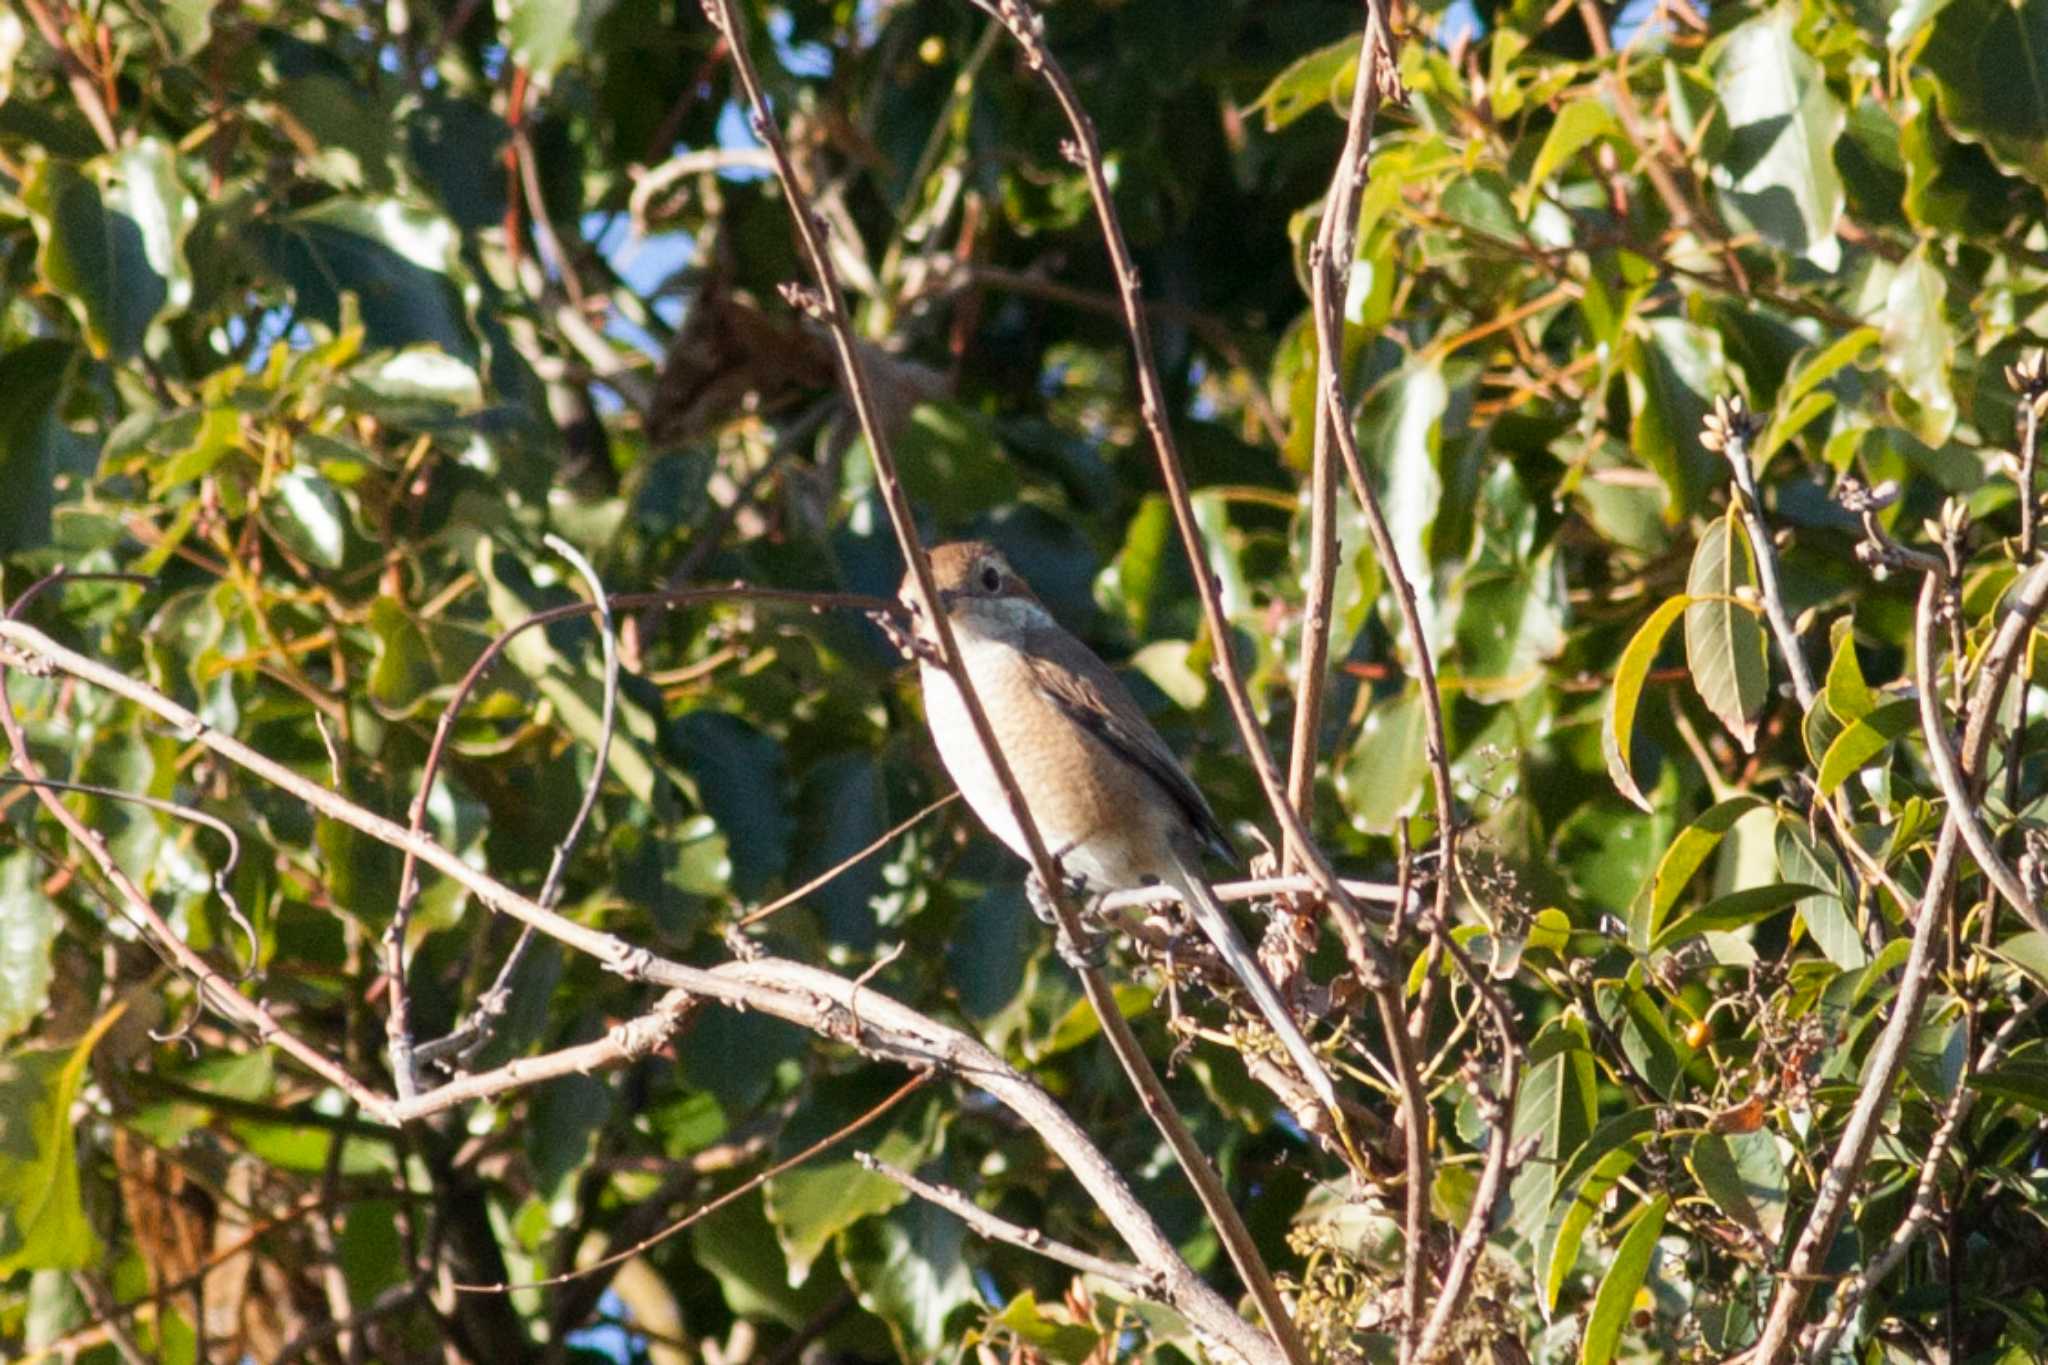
{"x": 317, "y": 318}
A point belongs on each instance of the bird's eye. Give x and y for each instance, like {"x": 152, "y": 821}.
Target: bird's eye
{"x": 991, "y": 578}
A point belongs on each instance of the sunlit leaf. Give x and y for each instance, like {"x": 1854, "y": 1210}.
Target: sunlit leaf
{"x": 1725, "y": 647}
{"x": 1616, "y": 1300}
{"x": 1631, "y": 673}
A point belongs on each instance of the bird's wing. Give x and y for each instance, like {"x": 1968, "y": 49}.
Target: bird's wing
{"x": 1086, "y": 691}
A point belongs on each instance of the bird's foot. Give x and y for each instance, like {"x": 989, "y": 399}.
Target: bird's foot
{"x": 1092, "y": 949}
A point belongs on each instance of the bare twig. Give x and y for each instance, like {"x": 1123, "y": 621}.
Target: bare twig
{"x": 1729, "y": 429}
{"x": 466, "y": 1041}
{"x": 1962, "y": 807}
{"x": 1329, "y": 268}
{"x": 888, "y": 836}
{"x": 739, "y": 1191}
{"x": 1129, "y": 1278}
{"x": 215, "y": 990}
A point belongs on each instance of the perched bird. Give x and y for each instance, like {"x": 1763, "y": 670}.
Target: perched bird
{"x": 1114, "y": 808}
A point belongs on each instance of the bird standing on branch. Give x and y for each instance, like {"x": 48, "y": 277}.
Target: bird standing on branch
{"x": 1114, "y": 808}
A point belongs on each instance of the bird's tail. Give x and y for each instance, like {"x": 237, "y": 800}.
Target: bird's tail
{"x": 1217, "y": 925}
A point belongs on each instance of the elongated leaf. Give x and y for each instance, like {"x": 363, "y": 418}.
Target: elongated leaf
{"x": 2024, "y": 1079}
{"x": 2029, "y": 953}
{"x": 28, "y": 928}
{"x": 42, "y": 1219}
{"x": 1825, "y": 914}
{"x": 1779, "y": 174}
{"x": 1865, "y": 740}
{"x": 1693, "y": 846}
{"x": 1556, "y": 1108}
{"x": 1919, "y": 348}
{"x": 1735, "y": 910}
{"x": 1616, "y": 1299}
{"x": 1987, "y": 57}
{"x": 1578, "y": 125}
{"x": 1848, "y": 696}
{"x": 1744, "y": 1175}
{"x": 1724, "y": 641}
{"x": 1308, "y": 83}
{"x": 1619, "y": 726}
{"x": 1582, "y": 1207}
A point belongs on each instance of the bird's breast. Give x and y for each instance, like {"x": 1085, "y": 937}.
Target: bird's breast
{"x": 1095, "y": 811}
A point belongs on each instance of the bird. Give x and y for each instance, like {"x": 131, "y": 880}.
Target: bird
{"x": 1112, "y": 805}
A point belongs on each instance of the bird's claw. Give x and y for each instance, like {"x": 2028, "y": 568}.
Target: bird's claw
{"x": 1093, "y": 948}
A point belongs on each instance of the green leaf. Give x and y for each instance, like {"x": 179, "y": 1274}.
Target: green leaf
{"x": 1399, "y": 432}
{"x": 1919, "y": 348}
{"x": 1745, "y": 1177}
{"x": 402, "y": 667}
{"x": 911, "y": 1271}
{"x": 1988, "y": 57}
{"x": 28, "y": 930}
{"x": 1725, "y": 647}
{"x": 1308, "y": 82}
{"x": 739, "y": 773}
{"x": 1556, "y": 1109}
{"x": 218, "y": 432}
{"x": 1688, "y": 852}
{"x": 1672, "y": 367}
{"x": 1733, "y": 911}
{"x": 1825, "y": 914}
{"x": 1865, "y": 740}
{"x": 307, "y": 515}
{"x": 1578, "y": 125}
{"x": 33, "y": 443}
{"x": 1615, "y": 1302}
{"x": 814, "y": 1202}
{"x": 1779, "y": 175}
{"x": 841, "y": 809}
{"x": 1381, "y": 783}
{"x": 42, "y": 1219}
{"x": 2029, "y": 952}
{"x": 1066, "y": 1342}
{"x": 1630, "y": 674}
{"x": 1848, "y": 696}
{"x": 2022, "y": 1079}
{"x": 92, "y": 259}
{"x": 952, "y": 461}
{"x": 545, "y": 35}
{"x": 1583, "y": 1206}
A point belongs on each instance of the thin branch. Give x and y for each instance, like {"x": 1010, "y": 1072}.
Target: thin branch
{"x": 1501, "y": 1156}
{"x": 466, "y": 1041}
{"x": 1328, "y": 276}
{"x": 1850, "y": 1295}
{"x": 1728, "y": 429}
{"x": 214, "y": 989}
{"x": 739, "y": 1191}
{"x": 826, "y": 303}
{"x": 620, "y": 1044}
{"x": 1881, "y": 1070}
{"x": 1129, "y": 1278}
{"x": 889, "y": 836}
{"x": 221, "y": 827}
{"x": 1962, "y": 808}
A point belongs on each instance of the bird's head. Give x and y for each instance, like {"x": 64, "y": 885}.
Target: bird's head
{"x": 978, "y": 589}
